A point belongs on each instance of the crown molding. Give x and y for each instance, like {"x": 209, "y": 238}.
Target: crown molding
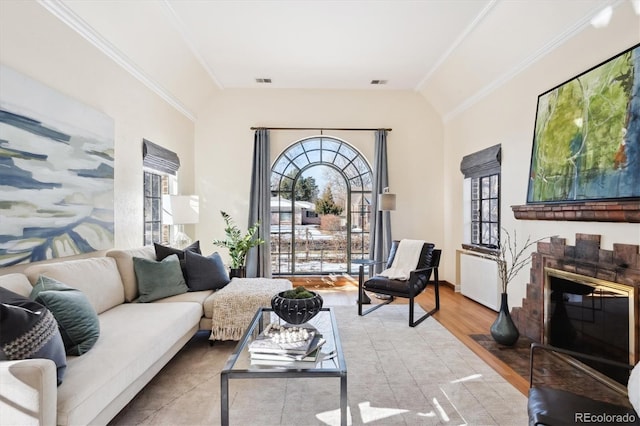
{"x": 184, "y": 32}
{"x": 529, "y": 61}
{"x": 468, "y": 30}
{"x": 75, "y": 22}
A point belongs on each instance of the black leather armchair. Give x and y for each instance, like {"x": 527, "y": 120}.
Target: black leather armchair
{"x": 556, "y": 407}
{"x": 416, "y": 284}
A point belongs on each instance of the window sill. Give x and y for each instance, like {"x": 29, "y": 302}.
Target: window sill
{"x": 480, "y": 249}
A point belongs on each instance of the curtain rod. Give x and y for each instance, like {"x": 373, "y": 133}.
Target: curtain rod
{"x": 319, "y": 128}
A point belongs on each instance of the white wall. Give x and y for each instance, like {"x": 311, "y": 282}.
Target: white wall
{"x": 507, "y": 117}
{"x": 224, "y": 146}
{"x": 34, "y": 42}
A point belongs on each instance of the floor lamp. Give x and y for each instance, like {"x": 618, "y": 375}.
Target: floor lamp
{"x": 180, "y": 210}
{"x": 386, "y": 203}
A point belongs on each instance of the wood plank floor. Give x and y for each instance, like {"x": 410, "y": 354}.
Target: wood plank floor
{"x": 460, "y": 315}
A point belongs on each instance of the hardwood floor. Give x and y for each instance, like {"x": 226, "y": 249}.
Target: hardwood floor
{"x": 460, "y": 315}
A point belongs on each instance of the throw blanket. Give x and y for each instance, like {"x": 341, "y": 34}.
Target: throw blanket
{"x": 405, "y": 260}
{"x": 236, "y": 303}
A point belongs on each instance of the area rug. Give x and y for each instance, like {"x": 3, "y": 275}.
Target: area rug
{"x": 396, "y": 375}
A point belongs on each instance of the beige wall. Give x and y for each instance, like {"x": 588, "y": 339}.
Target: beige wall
{"x": 507, "y": 117}
{"x": 224, "y": 146}
{"x": 37, "y": 44}
{"x": 424, "y": 154}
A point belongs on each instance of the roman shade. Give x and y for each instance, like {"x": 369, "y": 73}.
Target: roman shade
{"x": 159, "y": 158}
{"x": 482, "y": 163}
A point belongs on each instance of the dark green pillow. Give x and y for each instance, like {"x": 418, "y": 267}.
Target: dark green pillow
{"x": 77, "y": 320}
{"x": 157, "y": 280}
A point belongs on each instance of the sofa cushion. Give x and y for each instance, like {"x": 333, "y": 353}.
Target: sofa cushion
{"x": 124, "y": 260}
{"x": 205, "y": 272}
{"x": 136, "y": 341}
{"x": 29, "y": 330}
{"x": 77, "y": 320}
{"x": 157, "y": 280}
{"x": 17, "y": 283}
{"x": 98, "y": 278}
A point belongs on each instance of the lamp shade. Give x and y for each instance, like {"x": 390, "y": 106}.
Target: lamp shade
{"x": 180, "y": 209}
{"x": 386, "y": 201}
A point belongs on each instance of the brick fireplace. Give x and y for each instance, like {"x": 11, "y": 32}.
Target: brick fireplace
{"x": 620, "y": 265}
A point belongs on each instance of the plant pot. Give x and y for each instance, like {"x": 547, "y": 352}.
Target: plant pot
{"x": 296, "y": 311}
{"x": 503, "y": 330}
{"x": 238, "y": 272}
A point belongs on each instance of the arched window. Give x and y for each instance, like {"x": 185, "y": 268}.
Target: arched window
{"x": 320, "y": 207}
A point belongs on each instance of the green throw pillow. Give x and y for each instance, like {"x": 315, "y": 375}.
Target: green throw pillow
{"x": 77, "y": 320}
{"x": 157, "y": 280}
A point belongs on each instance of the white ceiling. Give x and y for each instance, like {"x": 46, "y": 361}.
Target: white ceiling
{"x": 451, "y": 51}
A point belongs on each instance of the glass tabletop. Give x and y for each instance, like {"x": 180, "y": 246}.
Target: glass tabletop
{"x": 330, "y": 361}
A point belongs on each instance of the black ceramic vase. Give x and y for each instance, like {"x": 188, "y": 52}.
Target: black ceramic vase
{"x": 503, "y": 330}
{"x": 296, "y": 311}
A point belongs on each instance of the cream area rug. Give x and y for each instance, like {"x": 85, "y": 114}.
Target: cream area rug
{"x": 396, "y": 375}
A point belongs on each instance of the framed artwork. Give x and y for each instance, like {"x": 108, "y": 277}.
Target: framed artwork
{"x": 56, "y": 173}
{"x": 586, "y": 142}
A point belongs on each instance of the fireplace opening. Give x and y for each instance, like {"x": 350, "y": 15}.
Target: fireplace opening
{"x": 591, "y": 316}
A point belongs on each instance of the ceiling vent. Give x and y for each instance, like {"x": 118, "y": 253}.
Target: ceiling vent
{"x": 263, "y": 80}
{"x": 378, "y": 82}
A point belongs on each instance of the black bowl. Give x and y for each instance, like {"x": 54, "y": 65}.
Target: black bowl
{"x": 296, "y": 311}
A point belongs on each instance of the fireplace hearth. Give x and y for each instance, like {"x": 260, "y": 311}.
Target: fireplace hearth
{"x": 563, "y": 280}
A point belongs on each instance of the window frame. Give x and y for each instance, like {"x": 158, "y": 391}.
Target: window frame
{"x": 481, "y": 218}
{"x": 475, "y": 167}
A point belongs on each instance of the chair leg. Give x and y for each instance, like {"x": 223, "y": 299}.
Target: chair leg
{"x": 374, "y": 307}
{"x": 363, "y": 299}
{"x": 436, "y": 289}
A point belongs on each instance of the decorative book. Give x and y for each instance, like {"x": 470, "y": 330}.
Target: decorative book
{"x": 284, "y": 339}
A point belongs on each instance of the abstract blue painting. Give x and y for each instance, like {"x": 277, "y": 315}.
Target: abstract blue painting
{"x": 56, "y": 173}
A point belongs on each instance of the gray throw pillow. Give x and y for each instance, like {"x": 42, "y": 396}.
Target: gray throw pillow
{"x": 157, "y": 280}
{"x": 205, "y": 272}
{"x": 77, "y": 320}
{"x": 28, "y": 330}
{"x": 163, "y": 251}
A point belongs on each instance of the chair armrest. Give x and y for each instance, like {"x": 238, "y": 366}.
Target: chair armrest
{"x": 579, "y": 355}
{"x": 413, "y": 275}
{"x": 28, "y": 392}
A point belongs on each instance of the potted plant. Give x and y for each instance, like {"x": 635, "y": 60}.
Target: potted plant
{"x": 296, "y": 306}
{"x": 510, "y": 259}
{"x": 238, "y": 244}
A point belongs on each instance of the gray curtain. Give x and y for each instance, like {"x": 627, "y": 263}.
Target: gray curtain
{"x": 380, "y": 226}
{"x": 259, "y": 258}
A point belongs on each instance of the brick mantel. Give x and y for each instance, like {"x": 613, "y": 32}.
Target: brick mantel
{"x": 620, "y": 265}
{"x": 596, "y": 211}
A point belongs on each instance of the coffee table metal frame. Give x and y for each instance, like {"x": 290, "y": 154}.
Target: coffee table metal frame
{"x": 230, "y": 371}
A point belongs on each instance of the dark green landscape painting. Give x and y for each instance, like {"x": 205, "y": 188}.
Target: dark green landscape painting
{"x": 586, "y": 143}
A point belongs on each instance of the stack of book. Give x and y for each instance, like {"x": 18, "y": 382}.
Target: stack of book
{"x": 286, "y": 346}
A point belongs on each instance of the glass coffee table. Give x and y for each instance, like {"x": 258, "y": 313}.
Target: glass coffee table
{"x": 332, "y": 364}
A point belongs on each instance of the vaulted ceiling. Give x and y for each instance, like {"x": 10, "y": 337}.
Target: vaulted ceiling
{"x": 453, "y": 52}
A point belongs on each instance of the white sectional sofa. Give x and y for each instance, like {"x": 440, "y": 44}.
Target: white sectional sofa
{"x": 136, "y": 341}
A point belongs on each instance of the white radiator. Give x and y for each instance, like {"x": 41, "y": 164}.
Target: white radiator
{"x": 479, "y": 280}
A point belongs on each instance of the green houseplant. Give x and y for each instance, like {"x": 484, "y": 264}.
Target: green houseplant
{"x": 237, "y": 243}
